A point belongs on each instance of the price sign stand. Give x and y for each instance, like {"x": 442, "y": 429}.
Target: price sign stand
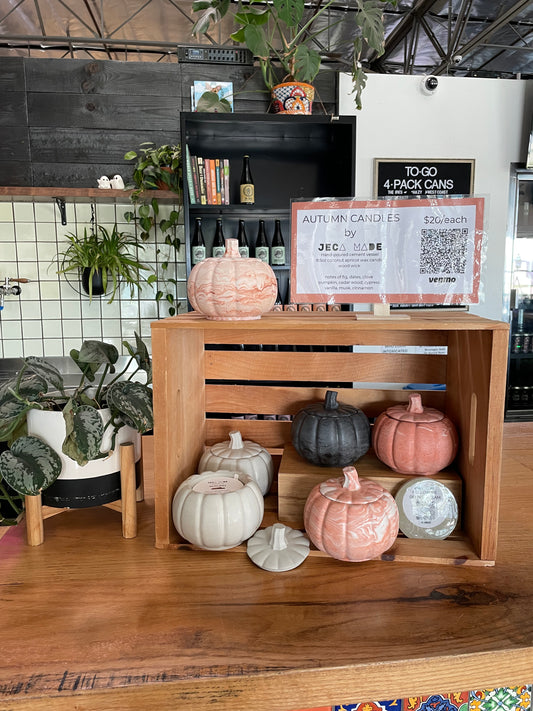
{"x": 381, "y": 312}
{"x": 382, "y": 252}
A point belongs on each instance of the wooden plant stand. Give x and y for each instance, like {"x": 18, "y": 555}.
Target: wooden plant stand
{"x": 36, "y": 513}
{"x": 205, "y": 372}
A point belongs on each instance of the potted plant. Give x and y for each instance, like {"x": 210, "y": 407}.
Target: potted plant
{"x": 156, "y": 168}
{"x": 282, "y": 34}
{"x": 93, "y": 416}
{"x": 104, "y": 258}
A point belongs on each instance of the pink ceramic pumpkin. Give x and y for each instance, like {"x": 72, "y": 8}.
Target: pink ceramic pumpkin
{"x": 412, "y": 439}
{"x": 351, "y": 519}
{"x": 231, "y": 288}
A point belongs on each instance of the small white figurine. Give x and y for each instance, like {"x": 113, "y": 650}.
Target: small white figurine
{"x": 104, "y": 182}
{"x": 117, "y": 183}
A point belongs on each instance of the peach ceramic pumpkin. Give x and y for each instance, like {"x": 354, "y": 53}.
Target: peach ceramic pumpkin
{"x": 232, "y": 288}
{"x": 412, "y": 439}
{"x": 351, "y": 519}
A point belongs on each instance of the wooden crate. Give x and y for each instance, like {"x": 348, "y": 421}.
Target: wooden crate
{"x": 207, "y": 371}
{"x": 296, "y": 478}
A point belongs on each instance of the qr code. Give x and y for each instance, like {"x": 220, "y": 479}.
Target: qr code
{"x": 443, "y": 251}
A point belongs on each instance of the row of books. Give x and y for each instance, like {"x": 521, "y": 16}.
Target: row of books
{"x": 207, "y": 180}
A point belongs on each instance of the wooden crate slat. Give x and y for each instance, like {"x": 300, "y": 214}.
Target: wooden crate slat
{"x": 289, "y": 400}
{"x": 336, "y": 367}
{"x": 271, "y": 434}
{"x": 325, "y": 337}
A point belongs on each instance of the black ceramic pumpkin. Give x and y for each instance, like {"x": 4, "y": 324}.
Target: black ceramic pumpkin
{"x": 331, "y": 434}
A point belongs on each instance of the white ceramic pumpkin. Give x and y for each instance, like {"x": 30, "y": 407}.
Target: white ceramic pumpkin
{"x": 217, "y": 510}
{"x": 237, "y": 455}
{"x": 278, "y": 548}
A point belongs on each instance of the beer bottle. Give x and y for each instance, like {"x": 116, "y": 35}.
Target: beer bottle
{"x": 278, "y": 246}
{"x": 244, "y": 249}
{"x": 219, "y": 244}
{"x": 262, "y": 251}
{"x": 198, "y": 243}
{"x": 247, "y": 191}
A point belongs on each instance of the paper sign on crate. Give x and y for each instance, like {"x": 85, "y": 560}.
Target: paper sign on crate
{"x": 387, "y": 251}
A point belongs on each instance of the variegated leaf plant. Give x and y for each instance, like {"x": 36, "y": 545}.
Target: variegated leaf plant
{"x": 31, "y": 465}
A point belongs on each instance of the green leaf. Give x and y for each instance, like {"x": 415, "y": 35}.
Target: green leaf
{"x": 98, "y": 352}
{"x": 141, "y": 354}
{"x": 370, "y": 20}
{"x": 30, "y": 466}
{"x": 132, "y": 402}
{"x": 144, "y": 211}
{"x": 84, "y": 433}
{"x": 256, "y": 41}
{"x": 45, "y": 370}
{"x": 130, "y": 155}
{"x": 129, "y": 216}
{"x": 152, "y": 278}
{"x": 155, "y": 206}
{"x": 290, "y": 11}
{"x": 306, "y": 63}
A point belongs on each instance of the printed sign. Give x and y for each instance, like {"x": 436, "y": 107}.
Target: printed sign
{"x": 423, "y": 178}
{"x": 383, "y": 251}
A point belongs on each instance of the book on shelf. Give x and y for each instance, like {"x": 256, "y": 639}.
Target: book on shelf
{"x": 207, "y": 179}
{"x": 190, "y": 181}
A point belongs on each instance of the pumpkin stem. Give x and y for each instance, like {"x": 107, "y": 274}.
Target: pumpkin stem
{"x": 415, "y": 403}
{"x": 351, "y": 479}
{"x": 236, "y": 440}
{"x": 232, "y": 248}
{"x": 278, "y": 540}
{"x": 331, "y": 400}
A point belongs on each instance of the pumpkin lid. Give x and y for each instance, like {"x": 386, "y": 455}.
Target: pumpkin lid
{"x": 278, "y": 548}
{"x": 414, "y": 411}
{"x": 331, "y": 407}
{"x": 351, "y": 489}
{"x": 236, "y": 447}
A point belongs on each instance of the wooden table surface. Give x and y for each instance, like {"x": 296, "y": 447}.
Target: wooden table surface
{"x": 90, "y": 620}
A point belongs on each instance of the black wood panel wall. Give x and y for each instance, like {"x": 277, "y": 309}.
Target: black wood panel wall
{"x": 66, "y": 122}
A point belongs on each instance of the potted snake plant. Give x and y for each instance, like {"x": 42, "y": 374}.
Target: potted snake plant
{"x": 281, "y": 35}
{"x": 73, "y": 458}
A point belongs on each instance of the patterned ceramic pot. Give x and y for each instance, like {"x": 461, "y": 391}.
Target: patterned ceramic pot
{"x": 351, "y": 519}
{"x": 293, "y": 98}
{"x": 232, "y": 288}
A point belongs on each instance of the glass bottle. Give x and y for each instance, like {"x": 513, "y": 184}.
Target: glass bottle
{"x": 219, "y": 243}
{"x": 198, "y": 243}
{"x": 244, "y": 249}
{"x": 278, "y": 246}
{"x": 262, "y": 250}
{"x": 247, "y": 190}
{"x": 278, "y": 303}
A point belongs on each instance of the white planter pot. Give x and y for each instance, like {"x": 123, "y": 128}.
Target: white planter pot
{"x": 95, "y": 483}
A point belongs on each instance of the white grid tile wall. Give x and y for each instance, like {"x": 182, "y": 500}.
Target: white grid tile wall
{"x": 52, "y": 315}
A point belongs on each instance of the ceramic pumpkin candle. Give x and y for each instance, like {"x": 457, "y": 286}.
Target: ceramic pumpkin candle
{"x": 242, "y": 456}
{"x": 331, "y": 434}
{"x": 351, "y": 519}
{"x": 217, "y": 510}
{"x": 412, "y": 439}
{"x": 231, "y": 288}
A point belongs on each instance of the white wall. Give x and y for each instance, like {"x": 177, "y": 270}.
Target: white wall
{"x": 485, "y": 119}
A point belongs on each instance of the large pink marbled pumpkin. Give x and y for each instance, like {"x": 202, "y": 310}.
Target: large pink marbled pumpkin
{"x": 232, "y": 288}
{"x": 351, "y": 519}
{"x": 412, "y": 439}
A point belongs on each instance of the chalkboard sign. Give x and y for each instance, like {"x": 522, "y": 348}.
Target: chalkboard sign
{"x": 397, "y": 178}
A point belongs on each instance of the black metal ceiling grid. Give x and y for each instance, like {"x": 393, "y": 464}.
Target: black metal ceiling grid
{"x": 457, "y": 37}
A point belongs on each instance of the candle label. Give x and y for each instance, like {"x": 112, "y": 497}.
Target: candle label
{"x": 218, "y": 485}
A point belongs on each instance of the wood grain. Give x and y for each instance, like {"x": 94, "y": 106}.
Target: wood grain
{"x": 95, "y": 621}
